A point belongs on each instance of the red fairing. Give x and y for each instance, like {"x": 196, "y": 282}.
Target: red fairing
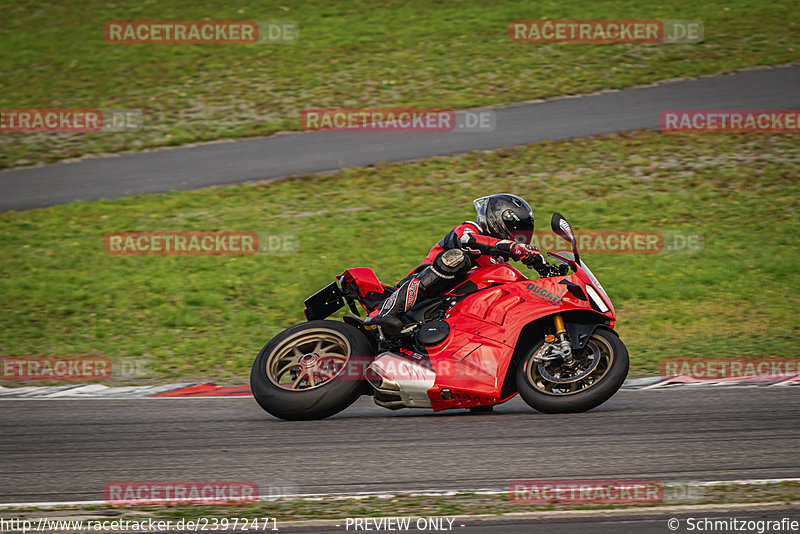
{"x": 364, "y": 278}
{"x": 472, "y": 362}
{"x": 371, "y": 293}
{"x": 495, "y": 273}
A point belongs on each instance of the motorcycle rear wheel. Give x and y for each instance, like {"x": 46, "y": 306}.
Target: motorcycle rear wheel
{"x": 311, "y": 371}
{"x": 551, "y": 387}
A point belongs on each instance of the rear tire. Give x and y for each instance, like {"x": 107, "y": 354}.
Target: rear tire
{"x": 311, "y": 370}
{"x": 589, "y": 393}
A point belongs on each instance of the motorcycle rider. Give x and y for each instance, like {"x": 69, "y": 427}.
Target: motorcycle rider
{"x": 504, "y": 229}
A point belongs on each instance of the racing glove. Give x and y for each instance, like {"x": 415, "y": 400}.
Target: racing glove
{"x": 545, "y": 269}
{"x": 531, "y": 257}
{"x": 524, "y": 253}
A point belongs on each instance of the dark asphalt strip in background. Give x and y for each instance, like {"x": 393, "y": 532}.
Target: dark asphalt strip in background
{"x": 267, "y": 158}
{"x": 65, "y": 450}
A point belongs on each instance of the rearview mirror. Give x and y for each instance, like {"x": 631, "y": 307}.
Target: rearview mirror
{"x": 562, "y": 228}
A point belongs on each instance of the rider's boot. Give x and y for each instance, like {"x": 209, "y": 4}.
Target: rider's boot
{"x": 431, "y": 281}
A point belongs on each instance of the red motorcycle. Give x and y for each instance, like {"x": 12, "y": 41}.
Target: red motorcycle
{"x": 495, "y": 335}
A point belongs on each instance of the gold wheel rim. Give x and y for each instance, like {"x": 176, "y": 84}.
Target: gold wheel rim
{"x": 604, "y": 352}
{"x": 308, "y": 360}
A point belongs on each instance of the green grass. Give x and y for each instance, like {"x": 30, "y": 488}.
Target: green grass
{"x": 206, "y": 317}
{"x": 466, "y": 504}
{"x": 350, "y": 53}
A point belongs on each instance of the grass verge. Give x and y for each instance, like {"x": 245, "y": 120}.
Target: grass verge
{"x": 205, "y": 317}
{"x": 461, "y": 504}
{"x": 350, "y": 54}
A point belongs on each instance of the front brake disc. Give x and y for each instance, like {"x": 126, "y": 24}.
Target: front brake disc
{"x": 593, "y": 359}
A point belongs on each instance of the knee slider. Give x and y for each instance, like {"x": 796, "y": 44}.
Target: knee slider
{"x": 451, "y": 261}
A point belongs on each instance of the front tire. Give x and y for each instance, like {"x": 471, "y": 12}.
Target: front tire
{"x": 548, "y": 389}
{"x": 311, "y": 371}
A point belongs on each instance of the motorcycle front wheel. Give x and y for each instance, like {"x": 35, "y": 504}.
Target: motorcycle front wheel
{"x": 552, "y": 387}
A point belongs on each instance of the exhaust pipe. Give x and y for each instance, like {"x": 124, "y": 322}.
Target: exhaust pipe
{"x": 399, "y": 382}
{"x": 380, "y": 380}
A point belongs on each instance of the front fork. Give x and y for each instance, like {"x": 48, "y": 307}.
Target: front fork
{"x": 563, "y": 341}
{"x": 558, "y": 346}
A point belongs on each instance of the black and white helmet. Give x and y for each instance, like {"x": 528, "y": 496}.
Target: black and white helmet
{"x": 505, "y": 216}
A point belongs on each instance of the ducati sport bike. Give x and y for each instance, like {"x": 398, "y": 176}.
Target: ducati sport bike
{"x": 497, "y": 334}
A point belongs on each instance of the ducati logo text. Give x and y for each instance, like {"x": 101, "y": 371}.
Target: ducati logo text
{"x": 543, "y": 294}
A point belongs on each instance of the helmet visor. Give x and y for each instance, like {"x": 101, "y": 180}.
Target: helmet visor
{"x": 520, "y": 229}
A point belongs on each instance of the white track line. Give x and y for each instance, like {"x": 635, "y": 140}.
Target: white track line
{"x": 101, "y": 392}
{"x": 405, "y": 493}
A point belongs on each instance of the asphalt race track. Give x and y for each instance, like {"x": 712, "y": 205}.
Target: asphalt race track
{"x": 60, "y": 450}
{"x": 267, "y": 158}
{"x": 68, "y": 450}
